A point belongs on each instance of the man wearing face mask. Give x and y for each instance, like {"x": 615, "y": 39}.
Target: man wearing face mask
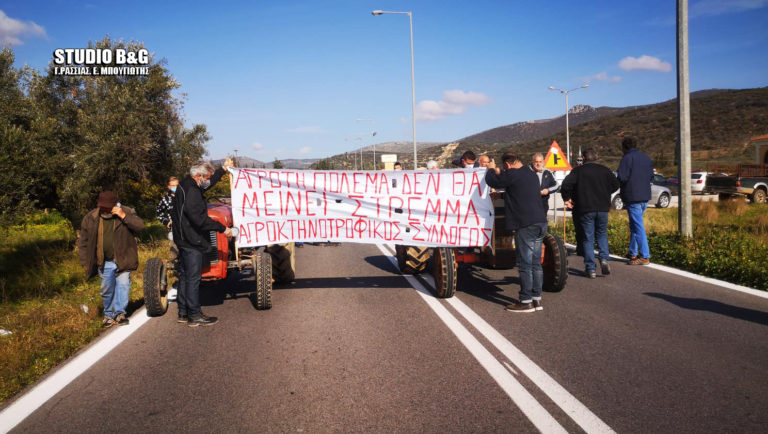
{"x": 107, "y": 246}
{"x": 191, "y": 227}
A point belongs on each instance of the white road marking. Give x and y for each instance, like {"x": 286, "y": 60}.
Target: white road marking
{"x": 46, "y": 389}
{"x": 537, "y": 414}
{"x": 577, "y": 411}
{"x": 511, "y": 369}
{"x": 694, "y": 276}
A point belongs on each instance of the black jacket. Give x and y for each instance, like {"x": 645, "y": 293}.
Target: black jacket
{"x": 590, "y": 186}
{"x": 522, "y": 198}
{"x": 191, "y": 223}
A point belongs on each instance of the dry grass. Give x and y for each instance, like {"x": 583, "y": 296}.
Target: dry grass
{"x": 734, "y": 207}
{"x": 57, "y": 312}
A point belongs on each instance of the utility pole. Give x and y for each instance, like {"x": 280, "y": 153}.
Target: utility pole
{"x": 237, "y": 160}
{"x": 684, "y": 214}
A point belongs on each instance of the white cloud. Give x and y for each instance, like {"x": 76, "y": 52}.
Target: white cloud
{"x": 307, "y": 130}
{"x": 12, "y": 30}
{"x": 720, "y": 7}
{"x": 603, "y": 76}
{"x": 644, "y": 62}
{"x": 305, "y": 150}
{"x": 258, "y": 147}
{"x": 454, "y": 102}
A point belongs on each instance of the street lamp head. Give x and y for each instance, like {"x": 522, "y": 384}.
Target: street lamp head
{"x": 377, "y": 12}
{"x": 552, "y": 88}
{"x": 584, "y": 86}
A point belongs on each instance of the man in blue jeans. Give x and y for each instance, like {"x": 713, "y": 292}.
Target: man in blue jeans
{"x": 107, "y": 247}
{"x": 587, "y": 189}
{"x": 635, "y": 175}
{"x": 524, "y": 212}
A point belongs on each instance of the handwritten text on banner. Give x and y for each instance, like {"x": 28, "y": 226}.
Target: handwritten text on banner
{"x": 429, "y": 208}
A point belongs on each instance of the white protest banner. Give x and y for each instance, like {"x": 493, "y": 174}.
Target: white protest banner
{"x": 436, "y": 208}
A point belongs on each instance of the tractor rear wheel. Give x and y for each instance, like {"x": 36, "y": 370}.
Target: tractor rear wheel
{"x": 262, "y": 274}
{"x": 445, "y": 271}
{"x": 283, "y": 262}
{"x": 554, "y": 263}
{"x": 412, "y": 259}
{"x": 155, "y": 287}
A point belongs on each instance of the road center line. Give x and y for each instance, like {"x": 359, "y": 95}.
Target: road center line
{"x": 46, "y": 389}
{"x": 537, "y": 414}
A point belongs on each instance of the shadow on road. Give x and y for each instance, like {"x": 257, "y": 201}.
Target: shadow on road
{"x": 382, "y": 263}
{"x": 703, "y": 304}
{"x": 475, "y": 282}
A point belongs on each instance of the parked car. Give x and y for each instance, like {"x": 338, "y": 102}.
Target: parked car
{"x": 699, "y": 182}
{"x": 673, "y": 184}
{"x": 660, "y": 196}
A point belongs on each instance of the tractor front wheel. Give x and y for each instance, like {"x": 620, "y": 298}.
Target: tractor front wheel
{"x": 445, "y": 271}
{"x": 155, "y": 287}
{"x": 262, "y": 274}
{"x": 554, "y": 263}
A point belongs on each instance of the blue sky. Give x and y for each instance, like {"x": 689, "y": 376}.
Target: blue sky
{"x": 288, "y": 79}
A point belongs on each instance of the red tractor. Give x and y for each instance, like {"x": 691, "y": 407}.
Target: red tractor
{"x": 500, "y": 254}
{"x": 273, "y": 263}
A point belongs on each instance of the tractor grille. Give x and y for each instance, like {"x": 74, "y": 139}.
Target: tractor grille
{"x": 212, "y": 255}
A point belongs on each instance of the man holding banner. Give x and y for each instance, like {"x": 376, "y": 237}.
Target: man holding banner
{"x": 525, "y": 215}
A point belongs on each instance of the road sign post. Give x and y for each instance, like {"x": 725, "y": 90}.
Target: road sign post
{"x": 554, "y": 161}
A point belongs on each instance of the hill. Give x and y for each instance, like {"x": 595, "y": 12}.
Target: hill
{"x": 722, "y": 122}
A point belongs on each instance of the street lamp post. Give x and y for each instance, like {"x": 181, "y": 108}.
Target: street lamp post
{"x": 356, "y": 137}
{"x": 373, "y": 134}
{"x": 413, "y": 79}
{"x": 567, "y": 108}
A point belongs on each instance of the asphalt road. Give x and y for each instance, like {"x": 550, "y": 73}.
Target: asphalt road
{"x": 352, "y": 346}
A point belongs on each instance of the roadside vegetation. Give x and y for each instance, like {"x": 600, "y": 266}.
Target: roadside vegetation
{"x": 730, "y": 240}
{"x": 47, "y": 306}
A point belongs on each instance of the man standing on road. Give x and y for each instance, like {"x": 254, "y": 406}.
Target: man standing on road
{"x": 547, "y": 182}
{"x": 588, "y": 190}
{"x": 525, "y": 215}
{"x": 635, "y": 175}
{"x": 107, "y": 246}
{"x": 191, "y": 226}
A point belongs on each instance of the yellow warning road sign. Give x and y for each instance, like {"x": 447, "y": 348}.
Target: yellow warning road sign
{"x": 556, "y": 159}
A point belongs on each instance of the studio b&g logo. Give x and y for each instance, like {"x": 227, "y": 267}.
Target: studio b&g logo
{"x": 100, "y": 61}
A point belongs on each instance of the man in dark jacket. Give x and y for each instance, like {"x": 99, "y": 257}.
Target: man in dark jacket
{"x": 588, "y": 190}
{"x": 635, "y": 175}
{"x": 191, "y": 228}
{"x": 107, "y": 246}
{"x": 547, "y": 182}
{"x": 525, "y": 215}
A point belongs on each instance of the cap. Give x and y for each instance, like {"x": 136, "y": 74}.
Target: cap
{"x": 107, "y": 199}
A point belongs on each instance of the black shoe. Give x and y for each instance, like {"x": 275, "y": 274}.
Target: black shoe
{"x": 591, "y": 274}
{"x": 182, "y": 319}
{"x": 202, "y": 320}
{"x": 605, "y": 268}
{"x": 537, "y": 305}
{"x": 121, "y": 319}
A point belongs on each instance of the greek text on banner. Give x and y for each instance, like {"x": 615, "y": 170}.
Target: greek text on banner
{"x": 437, "y": 208}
